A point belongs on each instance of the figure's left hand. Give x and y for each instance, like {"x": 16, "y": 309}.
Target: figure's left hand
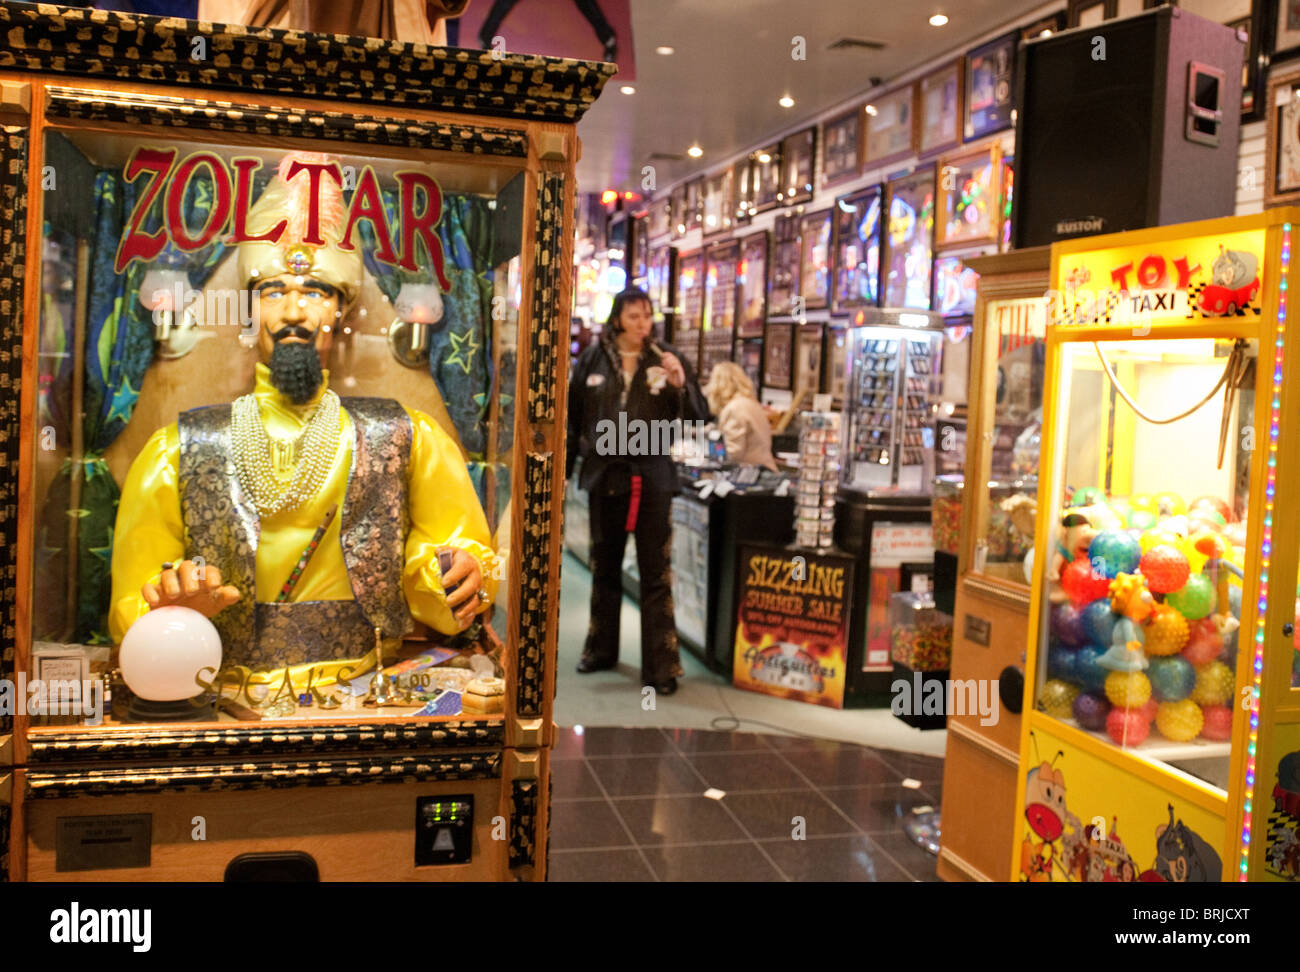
{"x": 466, "y": 577}
{"x": 672, "y": 365}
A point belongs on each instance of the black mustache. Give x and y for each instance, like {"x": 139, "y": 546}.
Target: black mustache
{"x": 294, "y": 331}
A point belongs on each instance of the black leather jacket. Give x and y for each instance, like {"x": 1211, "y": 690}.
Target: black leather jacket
{"x": 595, "y": 389}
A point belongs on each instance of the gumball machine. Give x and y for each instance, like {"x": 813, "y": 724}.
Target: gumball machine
{"x": 1160, "y": 657}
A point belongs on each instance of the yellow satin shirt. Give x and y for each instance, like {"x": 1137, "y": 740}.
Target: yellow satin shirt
{"x": 444, "y": 511}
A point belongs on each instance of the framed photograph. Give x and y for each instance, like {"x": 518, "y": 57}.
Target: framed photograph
{"x": 909, "y": 248}
{"x": 778, "y": 355}
{"x": 954, "y": 287}
{"x": 815, "y": 260}
{"x": 969, "y": 201}
{"x": 798, "y": 154}
{"x": 808, "y": 359}
{"x": 659, "y": 278}
{"x": 689, "y": 297}
{"x": 742, "y": 179}
{"x": 751, "y": 278}
{"x": 856, "y": 282}
{"x": 677, "y": 204}
{"x": 660, "y": 218}
{"x": 718, "y": 203}
{"x": 749, "y": 355}
{"x": 694, "y": 212}
{"x": 939, "y": 97}
{"x": 1282, "y": 145}
{"x": 1044, "y": 27}
{"x": 990, "y": 87}
{"x": 842, "y": 148}
{"x": 637, "y": 256}
{"x": 783, "y": 273}
{"x": 68, "y": 666}
{"x": 1089, "y": 13}
{"x": 719, "y": 305}
{"x": 891, "y": 126}
{"x": 1008, "y": 199}
{"x": 1283, "y": 17}
{"x": 766, "y": 178}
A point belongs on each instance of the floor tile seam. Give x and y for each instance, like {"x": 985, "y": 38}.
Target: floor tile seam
{"x": 623, "y": 823}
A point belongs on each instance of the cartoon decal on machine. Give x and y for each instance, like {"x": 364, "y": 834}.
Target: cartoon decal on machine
{"x": 1234, "y": 282}
{"x": 1058, "y": 846}
{"x": 1282, "y": 853}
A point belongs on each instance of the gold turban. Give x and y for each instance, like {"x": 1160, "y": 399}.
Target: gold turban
{"x": 290, "y": 200}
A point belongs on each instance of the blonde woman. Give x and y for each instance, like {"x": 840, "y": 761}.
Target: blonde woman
{"x": 741, "y": 419}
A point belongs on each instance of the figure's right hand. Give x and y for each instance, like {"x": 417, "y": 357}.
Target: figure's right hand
{"x": 189, "y": 585}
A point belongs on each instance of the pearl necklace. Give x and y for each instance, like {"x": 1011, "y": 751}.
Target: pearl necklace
{"x": 253, "y": 448}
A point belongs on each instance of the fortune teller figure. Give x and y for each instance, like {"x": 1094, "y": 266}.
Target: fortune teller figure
{"x": 318, "y": 518}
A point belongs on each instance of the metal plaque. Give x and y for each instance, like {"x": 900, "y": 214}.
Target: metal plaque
{"x": 977, "y": 630}
{"x": 103, "y": 842}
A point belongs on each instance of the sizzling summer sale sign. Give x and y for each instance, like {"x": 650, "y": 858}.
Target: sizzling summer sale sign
{"x": 792, "y": 625}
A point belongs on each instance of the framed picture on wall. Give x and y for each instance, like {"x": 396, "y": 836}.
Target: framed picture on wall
{"x": 636, "y": 248}
{"x": 751, "y": 279}
{"x": 661, "y": 218}
{"x": 689, "y": 295}
{"x": 815, "y": 259}
{"x": 857, "y": 250}
{"x": 1282, "y": 144}
{"x": 891, "y": 126}
{"x": 783, "y": 271}
{"x": 968, "y": 209}
{"x": 1089, "y": 13}
{"x": 694, "y": 215}
{"x": 990, "y": 87}
{"x": 778, "y": 355}
{"x": 836, "y": 358}
{"x": 677, "y": 206}
{"x": 939, "y": 97}
{"x": 742, "y": 179}
{"x": 842, "y": 148}
{"x": 954, "y": 287}
{"x": 767, "y": 177}
{"x": 718, "y": 203}
{"x": 1008, "y": 200}
{"x": 909, "y": 240}
{"x": 659, "y": 278}
{"x": 798, "y": 154}
{"x": 1283, "y": 17}
{"x": 749, "y": 355}
{"x": 808, "y": 360}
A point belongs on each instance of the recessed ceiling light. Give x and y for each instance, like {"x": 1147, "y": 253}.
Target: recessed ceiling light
{"x": 786, "y": 101}
{"x": 872, "y": 110}
{"x": 938, "y": 20}
{"x": 664, "y": 49}
{"x": 627, "y": 89}
{"x": 695, "y": 151}
{"x": 764, "y": 158}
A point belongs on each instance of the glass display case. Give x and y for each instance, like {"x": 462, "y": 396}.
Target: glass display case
{"x": 1160, "y": 654}
{"x": 267, "y": 466}
{"x": 888, "y": 403}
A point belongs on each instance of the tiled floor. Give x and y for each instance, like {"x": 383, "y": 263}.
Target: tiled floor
{"x": 629, "y": 805}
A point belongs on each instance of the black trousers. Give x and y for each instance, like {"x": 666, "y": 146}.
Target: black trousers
{"x": 660, "y": 657}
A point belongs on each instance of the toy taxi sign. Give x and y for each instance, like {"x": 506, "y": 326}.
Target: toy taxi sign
{"x": 1197, "y": 278}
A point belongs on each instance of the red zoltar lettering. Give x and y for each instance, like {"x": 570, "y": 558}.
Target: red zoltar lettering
{"x": 420, "y": 209}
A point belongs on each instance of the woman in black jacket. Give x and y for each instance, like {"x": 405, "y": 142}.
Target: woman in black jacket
{"x": 623, "y": 390}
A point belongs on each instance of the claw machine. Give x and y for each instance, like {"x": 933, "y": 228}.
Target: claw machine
{"x": 284, "y": 335}
{"x": 1162, "y": 714}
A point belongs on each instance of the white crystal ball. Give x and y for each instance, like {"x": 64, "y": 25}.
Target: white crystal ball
{"x": 165, "y": 650}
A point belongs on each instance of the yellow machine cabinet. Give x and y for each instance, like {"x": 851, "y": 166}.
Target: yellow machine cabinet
{"x": 1161, "y": 738}
{"x": 994, "y": 516}
{"x": 294, "y": 307}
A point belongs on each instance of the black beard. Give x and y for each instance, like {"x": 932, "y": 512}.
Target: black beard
{"x": 296, "y": 371}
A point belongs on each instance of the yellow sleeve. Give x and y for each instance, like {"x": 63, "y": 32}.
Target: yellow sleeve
{"x": 445, "y": 512}
{"x": 149, "y": 531}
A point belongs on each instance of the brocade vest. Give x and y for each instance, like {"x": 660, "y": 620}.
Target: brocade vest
{"x": 222, "y": 525}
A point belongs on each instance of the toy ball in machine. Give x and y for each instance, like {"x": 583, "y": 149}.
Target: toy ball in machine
{"x": 1090, "y": 711}
{"x": 1067, "y": 624}
{"x": 1204, "y": 642}
{"x": 1142, "y": 520}
{"x": 165, "y": 649}
{"x": 1081, "y": 583}
{"x": 1089, "y": 673}
{"x": 1087, "y": 496}
{"x": 1127, "y": 727}
{"x": 1099, "y": 622}
{"x": 1195, "y": 600}
{"x": 1214, "y": 503}
{"x": 1179, "y": 721}
{"x": 1056, "y": 698}
{"x": 1166, "y": 631}
{"x": 1149, "y": 709}
{"x": 1213, "y": 686}
{"x": 1062, "y": 662}
{"x": 1114, "y": 552}
{"x": 1218, "y": 723}
{"x": 1172, "y": 678}
{"x": 1165, "y": 568}
{"x": 1128, "y": 690}
{"x": 1170, "y": 504}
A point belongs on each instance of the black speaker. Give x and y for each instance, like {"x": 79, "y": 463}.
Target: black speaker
{"x": 1128, "y": 124}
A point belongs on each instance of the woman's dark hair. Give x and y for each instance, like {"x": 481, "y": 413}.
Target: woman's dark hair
{"x": 631, "y": 295}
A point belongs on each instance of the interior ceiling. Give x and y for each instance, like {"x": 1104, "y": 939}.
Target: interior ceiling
{"x": 732, "y": 62}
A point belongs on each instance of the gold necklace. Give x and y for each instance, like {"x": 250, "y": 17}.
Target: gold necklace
{"x": 255, "y": 453}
